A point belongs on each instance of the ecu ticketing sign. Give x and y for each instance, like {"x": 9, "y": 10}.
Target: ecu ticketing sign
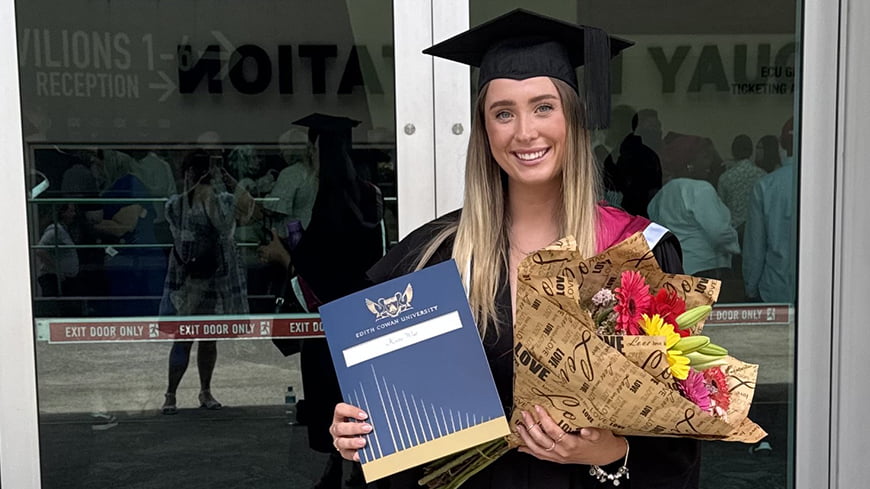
{"x": 178, "y": 328}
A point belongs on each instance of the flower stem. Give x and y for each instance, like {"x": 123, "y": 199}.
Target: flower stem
{"x": 467, "y": 463}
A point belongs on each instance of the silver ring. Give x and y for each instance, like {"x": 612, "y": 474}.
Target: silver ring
{"x": 560, "y": 437}
{"x": 551, "y": 447}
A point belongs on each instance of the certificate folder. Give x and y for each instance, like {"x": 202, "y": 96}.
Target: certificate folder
{"x": 408, "y": 353}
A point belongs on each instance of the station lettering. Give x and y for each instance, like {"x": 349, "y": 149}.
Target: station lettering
{"x": 251, "y": 69}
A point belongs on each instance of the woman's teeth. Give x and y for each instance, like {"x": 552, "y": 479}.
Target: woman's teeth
{"x": 531, "y": 156}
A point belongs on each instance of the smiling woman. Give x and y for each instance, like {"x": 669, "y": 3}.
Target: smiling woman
{"x": 530, "y": 179}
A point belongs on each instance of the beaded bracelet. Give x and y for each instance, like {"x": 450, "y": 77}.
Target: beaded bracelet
{"x": 601, "y": 475}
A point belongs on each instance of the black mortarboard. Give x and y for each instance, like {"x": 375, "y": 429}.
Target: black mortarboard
{"x": 322, "y": 123}
{"x": 523, "y": 44}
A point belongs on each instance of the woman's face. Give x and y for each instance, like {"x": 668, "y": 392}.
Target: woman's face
{"x": 527, "y": 129}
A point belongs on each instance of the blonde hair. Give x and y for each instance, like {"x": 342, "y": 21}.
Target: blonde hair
{"x": 481, "y": 236}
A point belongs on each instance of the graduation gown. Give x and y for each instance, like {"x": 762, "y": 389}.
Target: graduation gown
{"x": 654, "y": 462}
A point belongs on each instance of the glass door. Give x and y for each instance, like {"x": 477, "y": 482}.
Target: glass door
{"x": 713, "y": 96}
{"x": 198, "y": 177}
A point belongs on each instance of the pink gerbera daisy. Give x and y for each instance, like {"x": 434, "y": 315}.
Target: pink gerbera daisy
{"x": 695, "y": 389}
{"x": 633, "y": 300}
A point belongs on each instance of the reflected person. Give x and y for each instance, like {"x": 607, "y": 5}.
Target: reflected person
{"x": 639, "y": 166}
{"x": 205, "y": 275}
{"x": 343, "y": 239}
{"x": 690, "y": 207}
{"x": 767, "y": 155}
{"x": 134, "y": 269}
{"x": 769, "y": 239}
{"x": 295, "y": 190}
{"x": 736, "y": 183}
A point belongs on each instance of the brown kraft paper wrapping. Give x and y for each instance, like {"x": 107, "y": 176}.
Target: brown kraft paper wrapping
{"x": 620, "y": 383}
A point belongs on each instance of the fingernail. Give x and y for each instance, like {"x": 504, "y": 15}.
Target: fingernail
{"x": 361, "y": 442}
{"x": 362, "y": 415}
{"x": 584, "y": 432}
{"x": 366, "y": 427}
{"x": 538, "y": 408}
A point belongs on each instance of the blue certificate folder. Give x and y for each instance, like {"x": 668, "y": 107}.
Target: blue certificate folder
{"x": 407, "y": 352}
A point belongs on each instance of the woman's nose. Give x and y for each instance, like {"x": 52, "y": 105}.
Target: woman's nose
{"x": 526, "y": 128}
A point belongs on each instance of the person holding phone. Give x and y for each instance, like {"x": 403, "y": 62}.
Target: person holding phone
{"x": 205, "y": 273}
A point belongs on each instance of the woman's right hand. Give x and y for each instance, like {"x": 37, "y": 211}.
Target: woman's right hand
{"x": 347, "y": 436}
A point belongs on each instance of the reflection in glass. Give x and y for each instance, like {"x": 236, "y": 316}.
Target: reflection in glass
{"x": 161, "y": 143}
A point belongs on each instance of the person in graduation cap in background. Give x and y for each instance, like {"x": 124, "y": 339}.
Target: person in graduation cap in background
{"x": 343, "y": 239}
{"x": 530, "y": 179}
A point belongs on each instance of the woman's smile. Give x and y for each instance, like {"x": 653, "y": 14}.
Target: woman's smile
{"x": 531, "y": 156}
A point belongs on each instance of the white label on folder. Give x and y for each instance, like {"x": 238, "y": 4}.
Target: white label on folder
{"x": 403, "y": 338}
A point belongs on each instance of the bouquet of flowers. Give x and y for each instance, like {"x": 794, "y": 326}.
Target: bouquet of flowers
{"x": 613, "y": 342}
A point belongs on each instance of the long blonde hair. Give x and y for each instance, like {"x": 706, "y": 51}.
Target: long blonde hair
{"x": 481, "y": 234}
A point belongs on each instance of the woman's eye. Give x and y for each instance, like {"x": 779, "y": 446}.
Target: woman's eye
{"x": 503, "y": 115}
{"x": 544, "y": 108}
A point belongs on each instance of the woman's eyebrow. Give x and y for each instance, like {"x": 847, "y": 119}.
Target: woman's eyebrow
{"x": 545, "y": 96}
{"x": 502, "y": 103}
{"x": 533, "y": 100}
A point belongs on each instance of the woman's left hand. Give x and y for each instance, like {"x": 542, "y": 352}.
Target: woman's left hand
{"x": 547, "y": 441}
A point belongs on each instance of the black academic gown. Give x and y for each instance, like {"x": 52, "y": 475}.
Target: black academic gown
{"x": 654, "y": 463}
{"x": 342, "y": 241}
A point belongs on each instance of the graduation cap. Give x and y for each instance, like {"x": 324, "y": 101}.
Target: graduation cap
{"x": 523, "y": 44}
{"x": 318, "y": 123}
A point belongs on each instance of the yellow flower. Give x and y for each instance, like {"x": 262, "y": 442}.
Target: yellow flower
{"x": 679, "y": 364}
{"x": 656, "y": 326}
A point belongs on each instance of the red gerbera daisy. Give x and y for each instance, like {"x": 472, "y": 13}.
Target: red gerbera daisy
{"x": 669, "y": 305}
{"x": 633, "y": 299}
{"x": 718, "y": 386}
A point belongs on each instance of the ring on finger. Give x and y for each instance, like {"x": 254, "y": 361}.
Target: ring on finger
{"x": 560, "y": 437}
{"x": 536, "y": 425}
{"x": 335, "y": 444}
{"x": 551, "y": 447}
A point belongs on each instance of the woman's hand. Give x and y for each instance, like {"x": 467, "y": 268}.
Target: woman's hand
{"x": 547, "y": 441}
{"x": 347, "y": 435}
